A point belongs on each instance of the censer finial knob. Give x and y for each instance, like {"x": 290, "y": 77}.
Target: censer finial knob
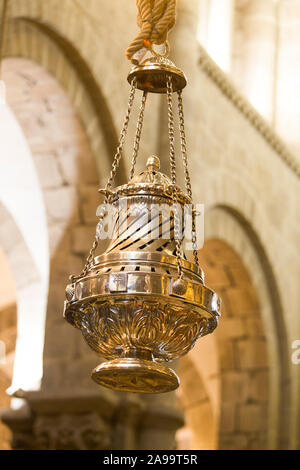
{"x": 153, "y": 163}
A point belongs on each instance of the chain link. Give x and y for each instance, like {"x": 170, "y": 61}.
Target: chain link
{"x": 116, "y": 162}
{"x": 118, "y": 155}
{"x": 138, "y": 133}
{"x": 115, "y": 166}
{"x": 187, "y": 174}
{"x": 177, "y": 234}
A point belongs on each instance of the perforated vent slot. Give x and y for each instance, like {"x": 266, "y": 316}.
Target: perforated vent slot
{"x": 160, "y": 248}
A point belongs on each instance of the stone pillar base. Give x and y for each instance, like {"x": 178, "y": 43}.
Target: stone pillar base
{"x": 85, "y": 421}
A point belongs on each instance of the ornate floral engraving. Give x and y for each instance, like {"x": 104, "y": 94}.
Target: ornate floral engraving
{"x": 169, "y": 331}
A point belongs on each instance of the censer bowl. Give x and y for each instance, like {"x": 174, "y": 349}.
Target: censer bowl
{"x": 137, "y": 320}
{"x": 132, "y": 306}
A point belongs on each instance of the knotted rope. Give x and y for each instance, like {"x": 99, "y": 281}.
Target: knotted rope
{"x": 155, "y": 19}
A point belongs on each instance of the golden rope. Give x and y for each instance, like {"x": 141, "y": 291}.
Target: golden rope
{"x": 155, "y": 19}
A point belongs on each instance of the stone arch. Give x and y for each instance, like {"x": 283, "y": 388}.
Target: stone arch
{"x": 36, "y": 40}
{"x": 241, "y": 345}
{"x": 200, "y": 413}
{"x": 248, "y": 385}
{"x": 229, "y": 396}
{"x": 24, "y": 239}
{"x": 229, "y": 226}
{"x": 237, "y": 216}
{"x": 69, "y": 181}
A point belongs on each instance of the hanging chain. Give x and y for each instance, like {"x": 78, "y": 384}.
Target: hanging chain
{"x": 118, "y": 155}
{"x": 115, "y": 166}
{"x": 138, "y": 134}
{"x": 187, "y": 174}
{"x": 183, "y": 145}
{"x": 177, "y": 234}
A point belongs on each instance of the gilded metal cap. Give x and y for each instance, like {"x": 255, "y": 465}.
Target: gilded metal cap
{"x": 152, "y": 75}
{"x": 150, "y": 182}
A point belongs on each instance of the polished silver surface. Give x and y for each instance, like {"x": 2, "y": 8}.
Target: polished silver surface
{"x": 132, "y": 306}
{"x": 151, "y": 75}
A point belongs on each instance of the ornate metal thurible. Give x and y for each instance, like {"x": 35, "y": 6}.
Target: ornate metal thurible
{"x": 141, "y": 303}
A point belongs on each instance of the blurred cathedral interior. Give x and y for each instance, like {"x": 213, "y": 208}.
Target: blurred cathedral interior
{"x": 64, "y": 71}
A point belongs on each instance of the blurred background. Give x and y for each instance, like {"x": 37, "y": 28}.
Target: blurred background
{"x": 64, "y": 71}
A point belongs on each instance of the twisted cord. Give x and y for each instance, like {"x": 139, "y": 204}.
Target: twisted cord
{"x": 155, "y": 19}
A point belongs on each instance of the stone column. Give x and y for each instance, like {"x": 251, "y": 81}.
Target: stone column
{"x": 62, "y": 421}
{"x": 255, "y": 52}
{"x": 219, "y": 32}
{"x": 160, "y": 420}
{"x": 93, "y": 421}
{"x": 287, "y": 118}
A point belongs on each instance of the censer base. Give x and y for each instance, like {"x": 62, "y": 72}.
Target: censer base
{"x": 135, "y": 375}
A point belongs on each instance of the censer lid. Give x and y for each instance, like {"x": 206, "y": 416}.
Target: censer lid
{"x": 150, "y": 181}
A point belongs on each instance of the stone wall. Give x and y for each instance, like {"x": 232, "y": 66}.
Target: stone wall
{"x": 245, "y": 176}
{"x": 239, "y": 415}
{"x": 265, "y": 62}
{"x": 249, "y": 190}
{"x": 255, "y": 52}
